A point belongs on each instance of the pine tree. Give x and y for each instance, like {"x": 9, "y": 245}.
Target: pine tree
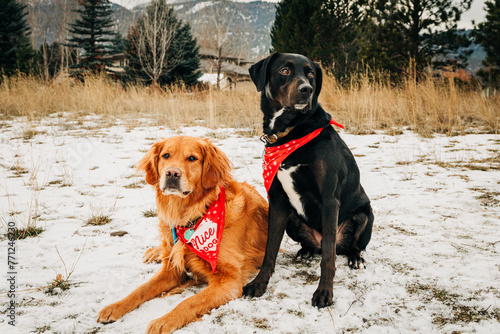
{"x": 187, "y": 71}
{"x": 325, "y": 30}
{"x": 93, "y": 33}
{"x": 488, "y": 35}
{"x": 418, "y": 32}
{"x": 339, "y": 24}
{"x": 293, "y": 30}
{"x": 161, "y": 49}
{"x": 16, "y": 54}
{"x": 120, "y": 44}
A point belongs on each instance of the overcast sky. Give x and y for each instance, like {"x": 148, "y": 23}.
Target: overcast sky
{"x": 476, "y": 13}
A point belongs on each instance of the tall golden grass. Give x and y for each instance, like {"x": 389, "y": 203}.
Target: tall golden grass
{"x": 427, "y": 106}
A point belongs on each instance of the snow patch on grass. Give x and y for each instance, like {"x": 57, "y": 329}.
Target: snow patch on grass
{"x": 432, "y": 264}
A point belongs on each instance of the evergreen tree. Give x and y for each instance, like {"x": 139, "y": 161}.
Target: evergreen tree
{"x": 488, "y": 35}
{"x": 187, "y": 70}
{"x": 293, "y": 30}
{"x": 325, "y": 30}
{"x": 120, "y": 44}
{"x": 338, "y": 25}
{"x": 16, "y": 54}
{"x": 418, "y": 32}
{"x": 161, "y": 49}
{"x": 92, "y": 32}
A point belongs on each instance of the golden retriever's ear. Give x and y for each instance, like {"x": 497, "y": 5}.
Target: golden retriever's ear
{"x": 149, "y": 164}
{"x": 216, "y": 166}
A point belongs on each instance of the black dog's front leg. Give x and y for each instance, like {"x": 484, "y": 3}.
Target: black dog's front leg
{"x": 323, "y": 296}
{"x": 277, "y": 224}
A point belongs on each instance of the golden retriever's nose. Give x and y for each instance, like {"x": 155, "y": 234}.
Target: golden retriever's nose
{"x": 173, "y": 173}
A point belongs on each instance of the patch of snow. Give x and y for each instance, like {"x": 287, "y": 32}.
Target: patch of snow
{"x": 199, "y": 6}
{"x": 433, "y": 253}
{"x": 210, "y": 78}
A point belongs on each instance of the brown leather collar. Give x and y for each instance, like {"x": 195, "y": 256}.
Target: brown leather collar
{"x": 271, "y": 140}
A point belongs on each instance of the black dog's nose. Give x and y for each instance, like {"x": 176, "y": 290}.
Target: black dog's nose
{"x": 306, "y": 89}
{"x": 173, "y": 173}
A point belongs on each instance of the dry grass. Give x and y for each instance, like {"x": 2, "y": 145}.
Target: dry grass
{"x": 27, "y": 96}
{"x": 60, "y": 283}
{"x": 27, "y": 218}
{"x": 431, "y": 106}
{"x": 150, "y": 213}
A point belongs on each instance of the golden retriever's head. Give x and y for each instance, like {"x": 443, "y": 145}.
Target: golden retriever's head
{"x": 182, "y": 165}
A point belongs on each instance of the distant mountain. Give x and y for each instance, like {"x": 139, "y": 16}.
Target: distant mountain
{"x": 476, "y": 58}
{"x": 253, "y": 19}
{"x": 133, "y": 3}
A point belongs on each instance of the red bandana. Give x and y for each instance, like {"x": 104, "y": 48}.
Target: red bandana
{"x": 275, "y": 155}
{"x": 204, "y": 238}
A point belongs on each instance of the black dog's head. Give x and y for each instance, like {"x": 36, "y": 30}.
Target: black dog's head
{"x": 290, "y": 85}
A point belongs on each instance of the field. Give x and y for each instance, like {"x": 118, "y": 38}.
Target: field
{"x": 430, "y": 163}
{"x": 369, "y": 103}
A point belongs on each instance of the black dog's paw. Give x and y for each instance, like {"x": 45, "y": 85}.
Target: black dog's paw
{"x": 306, "y": 253}
{"x": 322, "y": 298}
{"x": 356, "y": 262}
{"x": 254, "y": 289}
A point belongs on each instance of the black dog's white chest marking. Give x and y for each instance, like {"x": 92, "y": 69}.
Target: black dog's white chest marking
{"x": 286, "y": 179}
{"x": 275, "y": 116}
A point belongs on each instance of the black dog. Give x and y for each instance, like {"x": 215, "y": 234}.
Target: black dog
{"x": 316, "y": 194}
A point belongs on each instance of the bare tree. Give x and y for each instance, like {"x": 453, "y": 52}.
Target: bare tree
{"x": 48, "y": 21}
{"x": 153, "y": 37}
{"x": 40, "y": 26}
{"x": 65, "y": 15}
{"x": 218, "y": 33}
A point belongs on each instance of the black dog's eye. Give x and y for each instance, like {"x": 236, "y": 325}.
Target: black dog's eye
{"x": 192, "y": 158}
{"x": 285, "y": 71}
{"x": 310, "y": 75}
{"x": 166, "y": 156}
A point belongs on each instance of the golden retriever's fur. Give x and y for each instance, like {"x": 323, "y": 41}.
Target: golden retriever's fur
{"x": 203, "y": 169}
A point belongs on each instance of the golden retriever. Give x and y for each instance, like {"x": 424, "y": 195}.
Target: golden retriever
{"x": 188, "y": 174}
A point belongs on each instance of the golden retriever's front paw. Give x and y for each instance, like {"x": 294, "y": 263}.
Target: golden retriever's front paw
{"x": 160, "y": 326}
{"x": 111, "y": 313}
{"x": 152, "y": 255}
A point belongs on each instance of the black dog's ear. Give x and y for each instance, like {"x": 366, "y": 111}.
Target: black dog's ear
{"x": 258, "y": 71}
{"x": 319, "y": 78}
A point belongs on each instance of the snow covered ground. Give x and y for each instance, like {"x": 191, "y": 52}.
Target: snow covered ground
{"x": 433, "y": 262}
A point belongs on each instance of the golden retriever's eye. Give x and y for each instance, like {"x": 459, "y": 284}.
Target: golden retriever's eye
{"x": 192, "y": 158}
{"x": 166, "y": 156}
{"x": 310, "y": 75}
{"x": 285, "y": 71}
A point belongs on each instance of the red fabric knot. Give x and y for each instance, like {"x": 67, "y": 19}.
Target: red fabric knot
{"x": 277, "y": 154}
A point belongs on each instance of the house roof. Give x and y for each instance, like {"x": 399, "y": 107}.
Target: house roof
{"x": 209, "y": 53}
{"x": 209, "y": 66}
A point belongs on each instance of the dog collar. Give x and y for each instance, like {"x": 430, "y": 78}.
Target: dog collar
{"x": 266, "y": 139}
{"x": 274, "y": 156}
{"x": 274, "y": 137}
{"x": 204, "y": 238}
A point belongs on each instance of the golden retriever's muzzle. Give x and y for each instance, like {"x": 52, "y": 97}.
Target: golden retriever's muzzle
{"x": 172, "y": 182}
